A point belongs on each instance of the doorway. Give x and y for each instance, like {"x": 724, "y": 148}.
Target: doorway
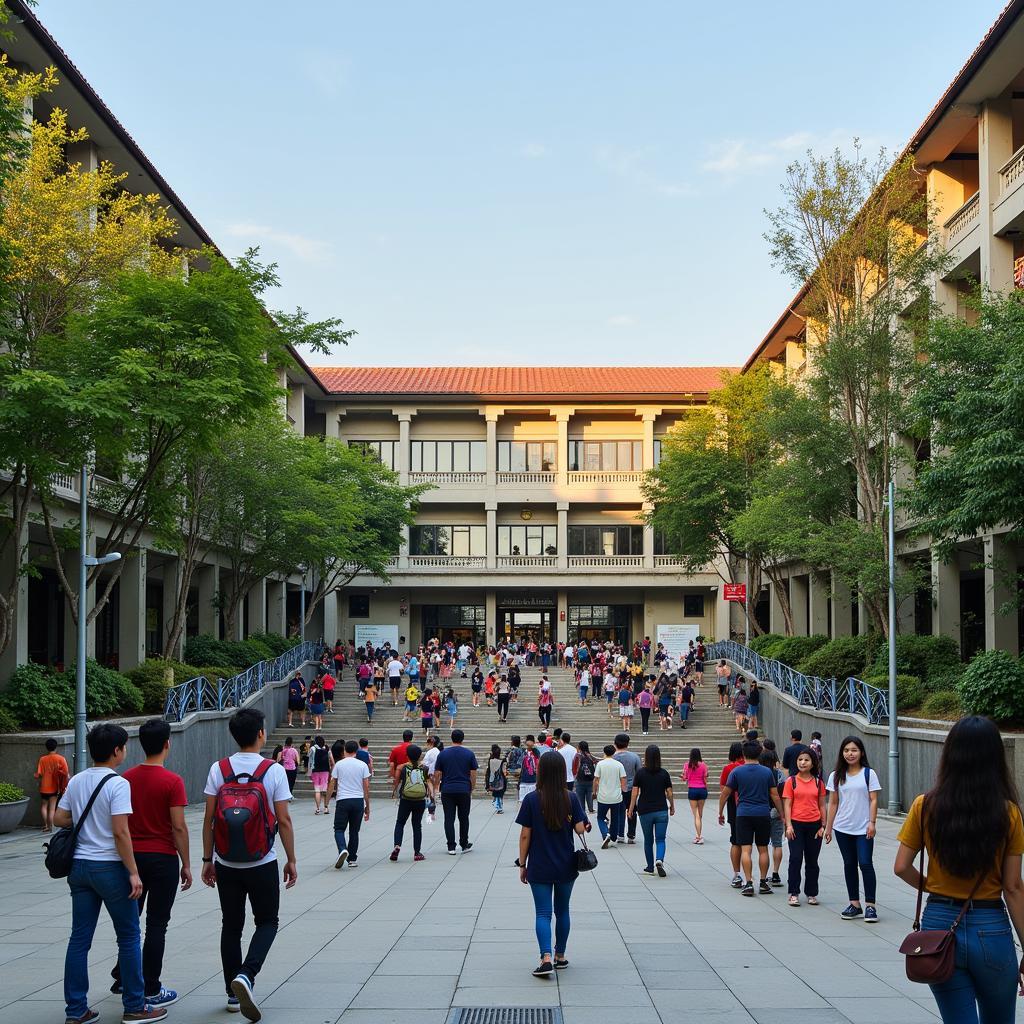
{"x": 523, "y": 626}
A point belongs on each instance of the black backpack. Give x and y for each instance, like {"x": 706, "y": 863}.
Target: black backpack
{"x": 60, "y": 850}
{"x": 585, "y": 772}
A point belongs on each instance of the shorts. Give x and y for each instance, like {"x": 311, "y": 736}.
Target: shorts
{"x": 427, "y": 723}
{"x": 48, "y": 796}
{"x": 316, "y": 709}
{"x": 663, "y": 710}
{"x": 753, "y": 830}
{"x": 696, "y": 794}
{"x": 778, "y": 832}
{"x": 477, "y": 687}
{"x": 610, "y": 696}
{"x": 319, "y": 780}
{"x": 296, "y": 704}
{"x": 584, "y": 690}
{"x": 627, "y": 712}
{"x": 410, "y": 705}
{"x": 395, "y": 682}
{"x": 722, "y": 687}
{"x": 526, "y": 788}
{"x": 328, "y": 695}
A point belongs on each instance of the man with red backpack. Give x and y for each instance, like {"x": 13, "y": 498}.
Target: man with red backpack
{"x": 247, "y": 798}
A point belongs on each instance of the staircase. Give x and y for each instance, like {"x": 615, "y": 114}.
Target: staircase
{"x": 710, "y": 727}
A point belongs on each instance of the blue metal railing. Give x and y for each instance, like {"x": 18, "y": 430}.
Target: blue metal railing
{"x": 850, "y": 695}
{"x": 202, "y": 694}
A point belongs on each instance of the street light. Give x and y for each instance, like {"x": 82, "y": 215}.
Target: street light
{"x": 85, "y": 562}
{"x": 894, "y": 747}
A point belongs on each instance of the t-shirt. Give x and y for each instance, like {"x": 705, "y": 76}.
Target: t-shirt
{"x": 52, "y": 773}
{"x": 289, "y": 759}
{"x": 696, "y": 778}
{"x": 455, "y": 763}
{"x": 854, "y": 811}
{"x": 645, "y": 700}
{"x": 551, "y": 856}
{"x": 790, "y": 754}
{"x": 804, "y": 796}
{"x": 528, "y": 772}
{"x": 327, "y": 682}
{"x": 395, "y": 669}
{"x": 631, "y": 762}
{"x": 96, "y": 839}
{"x": 398, "y": 757}
{"x": 155, "y": 790}
{"x": 430, "y": 759}
{"x": 940, "y": 881}
{"x": 752, "y": 784}
{"x": 366, "y": 757}
{"x": 568, "y": 752}
{"x": 349, "y": 774}
{"x": 295, "y": 687}
{"x": 652, "y": 786}
{"x": 608, "y": 774}
{"x": 275, "y": 782}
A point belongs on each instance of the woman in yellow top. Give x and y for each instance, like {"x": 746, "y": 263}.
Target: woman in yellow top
{"x": 971, "y": 818}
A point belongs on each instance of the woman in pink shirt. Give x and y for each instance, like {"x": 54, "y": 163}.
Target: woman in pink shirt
{"x": 695, "y": 775}
{"x": 289, "y": 760}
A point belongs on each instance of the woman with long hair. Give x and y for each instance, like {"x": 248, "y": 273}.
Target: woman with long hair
{"x": 695, "y": 775}
{"x": 970, "y": 825}
{"x": 652, "y": 799}
{"x": 549, "y": 816}
{"x": 803, "y": 803}
{"x": 852, "y": 808}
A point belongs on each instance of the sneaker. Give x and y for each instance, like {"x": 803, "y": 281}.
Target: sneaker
{"x": 233, "y": 1005}
{"x": 394, "y": 853}
{"x": 242, "y": 988}
{"x": 737, "y": 882}
{"x": 748, "y": 889}
{"x": 606, "y": 842}
{"x": 851, "y": 913}
{"x": 467, "y": 848}
{"x": 661, "y": 868}
{"x": 86, "y": 1018}
{"x": 629, "y": 842}
{"x": 164, "y": 997}
{"x": 870, "y": 915}
{"x": 776, "y": 881}
{"x": 115, "y": 988}
{"x": 546, "y": 967}
{"x": 451, "y": 852}
{"x": 419, "y": 856}
{"x": 342, "y": 857}
{"x": 621, "y": 841}
{"x": 794, "y": 901}
{"x": 765, "y": 889}
{"x": 648, "y": 871}
{"x": 150, "y": 1013}
{"x": 561, "y": 963}
{"x": 352, "y": 862}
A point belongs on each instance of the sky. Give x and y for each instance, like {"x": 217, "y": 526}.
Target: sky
{"x": 529, "y": 183}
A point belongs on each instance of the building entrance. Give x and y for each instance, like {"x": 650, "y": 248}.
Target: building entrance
{"x": 521, "y": 625}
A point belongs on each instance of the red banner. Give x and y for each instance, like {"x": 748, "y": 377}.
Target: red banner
{"x": 736, "y": 592}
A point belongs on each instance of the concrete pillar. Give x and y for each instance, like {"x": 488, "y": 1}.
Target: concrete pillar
{"x": 13, "y": 561}
{"x": 945, "y": 196}
{"x": 723, "y": 614}
{"x": 256, "y": 600}
{"x": 330, "y": 617}
{"x": 277, "y": 607}
{"x": 562, "y": 479}
{"x": 403, "y": 550}
{"x": 562, "y": 536}
{"x": 1000, "y": 587}
{"x": 208, "y": 583}
{"x": 332, "y": 422}
{"x": 799, "y": 599}
{"x": 491, "y": 616}
{"x": 297, "y": 407}
{"x": 649, "y": 416}
{"x": 842, "y": 610}
{"x": 404, "y": 452}
{"x": 648, "y": 532}
{"x": 776, "y": 620}
{"x": 131, "y": 639}
{"x": 491, "y": 511}
{"x": 70, "y": 562}
{"x": 170, "y": 597}
{"x": 562, "y": 625}
{"x": 946, "y": 597}
{"x": 995, "y": 147}
{"x": 818, "y": 620}
{"x": 492, "y": 447}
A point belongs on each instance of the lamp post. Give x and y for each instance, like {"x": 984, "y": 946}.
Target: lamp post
{"x": 894, "y": 747}
{"x": 85, "y": 562}
{"x": 302, "y": 607}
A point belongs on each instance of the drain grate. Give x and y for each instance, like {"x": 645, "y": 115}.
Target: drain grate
{"x": 505, "y": 1015}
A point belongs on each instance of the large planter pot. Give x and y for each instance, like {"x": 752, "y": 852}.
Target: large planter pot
{"x": 11, "y": 815}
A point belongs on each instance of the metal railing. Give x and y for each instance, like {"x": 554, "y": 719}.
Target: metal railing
{"x": 850, "y": 695}
{"x": 202, "y": 694}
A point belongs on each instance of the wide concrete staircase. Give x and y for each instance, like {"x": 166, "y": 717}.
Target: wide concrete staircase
{"x": 711, "y": 728}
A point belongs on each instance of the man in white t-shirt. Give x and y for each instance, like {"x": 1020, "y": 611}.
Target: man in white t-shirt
{"x": 394, "y": 670}
{"x": 257, "y": 879}
{"x": 568, "y": 752}
{"x": 104, "y": 872}
{"x": 610, "y": 786}
{"x": 431, "y": 755}
{"x": 350, "y": 782}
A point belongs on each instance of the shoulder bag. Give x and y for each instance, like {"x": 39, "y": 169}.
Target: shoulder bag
{"x": 586, "y": 859}
{"x": 60, "y": 850}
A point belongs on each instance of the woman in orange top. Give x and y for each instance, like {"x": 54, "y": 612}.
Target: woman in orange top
{"x": 971, "y": 817}
{"x": 52, "y": 773}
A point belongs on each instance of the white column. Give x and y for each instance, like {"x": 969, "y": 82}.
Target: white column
{"x": 776, "y": 620}
{"x": 404, "y": 421}
{"x": 649, "y": 416}
{"x": 491, "y": 616}
{"x": 330, "y": 618}
{"x": 562, "y": 626}
{"x": 1000, "y": 585}
{"x": 491, "y": 511}
{"x": 332, "y": 423}
{"x": 256, "y": 600}
{"x": 14, "y": 559}
{"x": 723, "y": 613}
{"x": 562, "y": 534}
{"x": 562, "y": 420}
{"x": 798, "y": 600}
{"x": 818, "y": 623}
{"x": 209, "y": 589}
{"x": 403, "y": 551}
{"x": 277, "y": 607}
{"x": 648, "y": 533}
{"x": 170, "y": 596}
{"x": 131, "y": 638}
{"x": 995, "y": 147}
{"x": 842, "y": 611}
{"x": 946, "y": 597}
{"x": 297, "y": 407}
{"x": 492, "y": 447}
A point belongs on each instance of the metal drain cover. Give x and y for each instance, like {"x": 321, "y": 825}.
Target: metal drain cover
{"x": 505, "y": 1015}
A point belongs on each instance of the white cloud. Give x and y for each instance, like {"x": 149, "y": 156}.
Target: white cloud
{"x": 312, "y": 250}
{"x": 733, "y": 157}
{"x": 534, "y": 150}
{"x": 634, "y": 165}
{"x": 328, "y": 72}
{"x": 622, "y": 320}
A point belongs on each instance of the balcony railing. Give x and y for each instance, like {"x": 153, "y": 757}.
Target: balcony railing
{"x": 447, "y": 478}
{"x": 447, "y": 561}
{"x": 526, "y": 561}
{"x": 604, "y": 561}
{"x": 527, "y": 478}
{"x": 1011, "y": 173}
{"x": 964, "y": 219}
{"x": 667, "y": 560}
{"x": 611, "y": 477}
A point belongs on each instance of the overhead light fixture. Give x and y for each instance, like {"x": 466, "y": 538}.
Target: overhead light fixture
{"x": 526, "y": 514}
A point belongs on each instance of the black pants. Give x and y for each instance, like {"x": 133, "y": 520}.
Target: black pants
{"x": 645, "y": 718}
{"x": 456, "y": 803}
{"x": 544, "y": 714}
{"x": 262, "y": 887}
{"x": 348, "y": 815}
{"x": 503, "y": 699}
{"x": 159, "y": 874}
{"x": 804, "y": 847}
{"x": 410, "y": 809}
{"x": 292, "y": 775}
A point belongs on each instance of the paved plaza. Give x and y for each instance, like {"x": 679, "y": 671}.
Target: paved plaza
{"x": 406, "y": 942}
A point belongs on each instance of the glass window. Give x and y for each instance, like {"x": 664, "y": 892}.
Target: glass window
{"x": 460, "y": 540}
{"x": 503, "y": 457}
{"x": 638, "y": 455}
{"x": 693, "y": 606}
{"x": 548, "y": 464}
{"x": 591, "y": 456}
{"x": 606, "y": 540}
{"x": 358, "y": 606}
{"x": 478, "y": 540}
{"x": 657, "y": 451}
{"x": 478, "y": 456}
{"x": 625, "y": 455}
{"x": 460, "y": 457}
{"x": 608, "y": 455}
{"x": 383, "y": 451}
{"x": 429, "y": 457}
{"x": 518, "y": 458}
{"x": 444, "y": 456}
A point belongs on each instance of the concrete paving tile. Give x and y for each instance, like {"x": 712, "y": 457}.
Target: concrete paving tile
{"x": 670, "y": 1001}
{"x": 682, "y": 980}
{"x": 866, "y": 1010}
{"x": 385, "y": 993}
{"x": 530, "y": 992}
{"x": 623, "y": 1015}
{"x": 423, "y": 1016}
{"x": 774, "y": 1015}
{"x": 296, "y": 995}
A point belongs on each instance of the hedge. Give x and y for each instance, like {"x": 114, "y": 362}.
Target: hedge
{"x": 921, "y": 656}
{"x": 910, "y": 693}
{"x": 942, "y": 703}
{"x": 760, "y": 644}
{"x": 791, "y": 650}
{"x": 992, "y": 685}
{"x": 149, "y": 678}
{"x": 239, "y": 654}
{"x": 843, "y": 657}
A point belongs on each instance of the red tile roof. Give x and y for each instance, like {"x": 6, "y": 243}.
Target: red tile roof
{"x": 520, "y": 381}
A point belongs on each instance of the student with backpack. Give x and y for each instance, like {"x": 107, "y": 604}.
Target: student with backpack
{"x": 414, "y": 790}
{"x": 239, "y": 856}
{"x": 803, "y": 802}
{"x": 528, "y": 769}
{"x": 350, "y": 783}
{"x": 320, "y": 765}
{"x": 583, "y": 766}
{"x": 497, "y": 778}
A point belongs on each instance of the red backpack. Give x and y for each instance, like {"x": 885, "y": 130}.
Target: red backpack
{"x": 244, "y": 824}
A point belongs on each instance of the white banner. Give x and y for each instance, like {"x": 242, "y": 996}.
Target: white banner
{"x": 676, "y": 639}
{"x": 377, "y": 635}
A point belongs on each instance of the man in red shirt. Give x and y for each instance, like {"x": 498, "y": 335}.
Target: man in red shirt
{"x": 159, "y": 839}
{"x": 399, "y": 756}
{"x": 735, "y": 760}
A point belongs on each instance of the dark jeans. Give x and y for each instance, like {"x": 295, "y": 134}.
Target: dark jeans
{"x": 585, "y": 791}
{"x": 456, "y": 803}
{"x": 645, "y": 718}
{"x": 159, "y": 874}
{"x": 804, "y": 849}
{"x": 606, "y": 812}
{"x": 261, "y": 885}
{"x": 857, "y": 851}
{"x": 348, "y": 814}
{"x": 410, "y": 809}
{"x": 544, "y": 714}
{"x": 503, "y": 700}
{"x": 292, "y": 775}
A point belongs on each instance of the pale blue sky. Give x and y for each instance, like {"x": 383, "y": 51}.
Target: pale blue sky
{"x": 532, "y": 182}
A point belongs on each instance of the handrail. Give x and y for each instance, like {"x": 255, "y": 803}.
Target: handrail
{"x": 202, "y": 694}
{"x": 850, "y": 695}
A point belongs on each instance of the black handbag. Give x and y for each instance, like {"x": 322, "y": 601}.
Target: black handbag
{"x": 60, "y": 850}
{"x": 586, "y": 859}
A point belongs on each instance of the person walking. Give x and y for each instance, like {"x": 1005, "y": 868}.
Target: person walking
{"x": 320, "y": 765}
{"x": 297, "y": 698}
{"x": 414, "y": 790}
{"x": 583, "y": 765}
{"x": 645, "y": 701}
{"x": 626, "y": 705}
{"x": 695, "y": 775}
{"x": 53, "y": 775}
{"x": 753, "y": 704}
{"x": 740, "y": 706}
{"x": 550, "y": 816}
{"x": 545, "y": 701}
{"x": 395, "y": 670}
{"x": 770, "y": 759}
{"x": 631, "y": 762}
{"x": 793, "y": 751}
{"x": 653, "y": 801}
{"x": 723, "y": 673}
{"x": 735, "y": 760}
{"x": 104, "y": 873}
{"x": 238, "y": 865}
{"x": 451, "y": 706}
{"x": 327, "y": 681}
{"x": 610, "y": 780}
{"x": 476, "y": 685}
{"x": 504, "y": 697}
{"x": 497, "y": 778}
{"x": 528, "y": 769}
{"x": 803, "y": 804}
{"x": 852, "y": 809}
{"x": 370, "y": 700}
{"x": 686, "y": 696}
{"x": 350, "y": 784}
{"x": 970, "y": 825}
{"x": 427, "y": 712}
{"x": 289, "y": 761}
{"x": 455, "y": 779}
{"x": 316, "y": 703}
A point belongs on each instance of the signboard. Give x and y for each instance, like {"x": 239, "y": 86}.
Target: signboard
{"x": 377, "y": 635}
{"x": 534, "y": 599}
{"x": 736, "y": 592}
{"x": 676, "y": 639}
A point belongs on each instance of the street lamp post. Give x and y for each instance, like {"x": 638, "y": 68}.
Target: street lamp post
{"x": 85, "y": 562}
{"x": 894, "y": 729}
{"x": 302, "y": 606}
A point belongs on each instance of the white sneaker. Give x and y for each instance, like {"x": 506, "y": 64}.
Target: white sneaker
{"x": 241, "y": 987}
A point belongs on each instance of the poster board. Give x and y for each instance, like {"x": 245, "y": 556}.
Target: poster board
{"x": 377, "y": 635}
{"x": 676, "y": 639}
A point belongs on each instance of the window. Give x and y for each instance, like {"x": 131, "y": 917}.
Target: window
{"x": 606, "y": 540}
{"x": 657, "y": 451}
{"x": 385, "y": 452}
{"x": 606, "y": 456}
{"x": 661, "y": 543}
{"x": 448, "y": 540}
{"x": 693, "y": 606}
{"x": 527, "y": 456}
{"x": 527, "y": 540}
{"x": 358, "y": 606}
{"x": 449, "y": 457}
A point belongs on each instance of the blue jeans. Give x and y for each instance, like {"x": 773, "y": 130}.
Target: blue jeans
{"x": 348, "y": 815}
{"x": 95, "y": 884}
{"x": 548, "y": 898}
{"x": 654, "y": 827}
{"x": 614, "y": 812}
{"x": 857, "y": 851}
{"x": 498, "y": 799}
{"x": 984, "y": 982}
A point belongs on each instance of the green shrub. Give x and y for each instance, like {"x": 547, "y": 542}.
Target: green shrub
{"x": 920, "y": 656}
{"x": 149, "y": 678}
{"x": 944, "y": 680}
{"x": 274, "y": 642}
{"x": 9, "y": 793}
{"x": 759, "y": 643}
{"x": 38, "y": 696}
{"x": 910, "y": 693}
{"x": 212, "y": 672}
{"x": 942, "y": 703}
{"x": 206, "y": 650}
{"x": 843, "y": 657}
{"x": 992, "y": 685}
{"x": 791, "y": 650}
{"x": 106, "y": 690}
{"x": 8, "y": 723}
